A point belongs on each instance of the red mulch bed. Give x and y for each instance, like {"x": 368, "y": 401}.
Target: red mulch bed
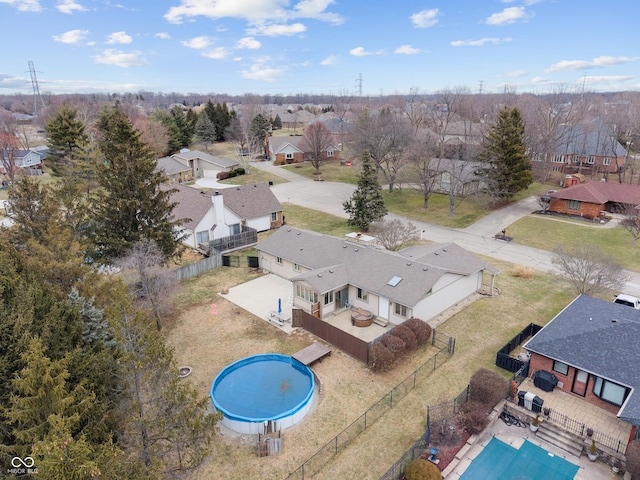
{"x": 448, "y": 436}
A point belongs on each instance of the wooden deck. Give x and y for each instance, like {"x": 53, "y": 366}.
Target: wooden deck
{"x": 312, "y": 353}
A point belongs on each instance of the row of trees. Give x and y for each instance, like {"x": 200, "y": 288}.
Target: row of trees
{"x": 91, "y": 389}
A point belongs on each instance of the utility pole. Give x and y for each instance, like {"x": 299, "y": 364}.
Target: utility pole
{"x": 37, "y": 98}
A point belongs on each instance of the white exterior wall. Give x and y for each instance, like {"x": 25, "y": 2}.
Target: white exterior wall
{"x": 261, "y": 224}
{"x": 371, "y": 304}
{"x": 285, "y": 269}
{"x": 288, "y": 148}
{"x": 448, "y": 291}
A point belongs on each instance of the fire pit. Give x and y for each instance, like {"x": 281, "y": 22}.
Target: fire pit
{"x": 361, "y": 318}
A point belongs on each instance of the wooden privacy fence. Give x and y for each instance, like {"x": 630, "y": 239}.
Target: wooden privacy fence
{"x": 238, "y": 261}
{"x": 198, "y": 268}
{"x": 503, "y": 360}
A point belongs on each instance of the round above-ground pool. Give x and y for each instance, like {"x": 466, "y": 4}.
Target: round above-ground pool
{"x": 263, "y": 393}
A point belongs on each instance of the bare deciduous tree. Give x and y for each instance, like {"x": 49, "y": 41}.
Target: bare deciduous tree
{"x": 151, "y": 286}
{"x": 393, "y": 234}
{"x": 589, "y": 269}
{"x": 631, "y": 221}
{"x": 315, "y": 143}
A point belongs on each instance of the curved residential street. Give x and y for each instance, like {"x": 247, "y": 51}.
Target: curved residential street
{"x": 329, "y": 196}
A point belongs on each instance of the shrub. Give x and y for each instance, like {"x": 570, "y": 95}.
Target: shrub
{"x": 407, "y": 336}
{"x": 421, "y": 469}
{"x": 382, "y": 358}
{"x": 420, "y": 329}
{"x": 395, "y": 344}
{"x": 520, "y": 271}
{"x": 474, "y": 418}
{"x": 232, "y": 174}
{"x": 222, "y": 175}
{"x": 240, "y": 171}
{"x": 633, "y": 458}
{"x": 488, "y": 387}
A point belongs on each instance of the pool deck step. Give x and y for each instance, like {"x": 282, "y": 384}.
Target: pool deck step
{"x": 560, "y": 438}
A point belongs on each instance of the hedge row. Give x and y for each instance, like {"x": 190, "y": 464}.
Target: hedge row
{"x": 402, "y": 339}
{"x": 234, "y": 173}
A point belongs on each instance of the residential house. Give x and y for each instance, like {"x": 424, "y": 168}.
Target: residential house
{"x": 214, "y": 214}
{"x": 588, "y": 149}
{"x": 176, "y": 171}
{"x": 591, "y": 346}
{"x": 204, "y": 165}
{"x": 28, "y": 161}
{"x": 460, "y": 175}
{"x": 291, "y": 149}
{"x": 591, "y": 199}
{"x": 329, "y": 274}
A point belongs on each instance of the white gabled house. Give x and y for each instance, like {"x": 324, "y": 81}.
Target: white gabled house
{"x": 329, "y": 274}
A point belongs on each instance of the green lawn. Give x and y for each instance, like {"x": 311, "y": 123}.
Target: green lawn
{"x": 331, "y": 171}
{"x": 254, "y": 176}
{"x": 546, "y": 232}
{"x": 317, "y": 221}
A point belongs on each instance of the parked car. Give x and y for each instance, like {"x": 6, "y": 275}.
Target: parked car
{"x": 628, "y": 300}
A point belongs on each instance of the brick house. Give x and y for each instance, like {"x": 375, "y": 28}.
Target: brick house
{"x": 590, "y": 198}
{"x": 291, "y": 149}
{"x": 592, "y": 348}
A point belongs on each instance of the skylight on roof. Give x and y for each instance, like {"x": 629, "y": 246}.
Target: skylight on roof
{"x": 394, "y": 281}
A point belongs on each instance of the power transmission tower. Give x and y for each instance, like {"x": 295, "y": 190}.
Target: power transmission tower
{"x": 38, "y": 102}
{"x": 359, "y": 85}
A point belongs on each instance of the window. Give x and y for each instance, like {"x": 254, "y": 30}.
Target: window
{"x": 607, "y": 161}
{"x": 573, "y": 205}
{"x": 234, "y": 229}
{"x": 329, "y": 153}
{"x": 306, "y": 294}
{"x": 557, "y": 159}
{"x": 328, "y": 298}
{"x": 279, "y": 260}
{"x": 362, "y": 295}
{"x": 274, "y": 216}
{"x": 202, "y": 237}
{"x": 609, "y": 391}
{"x": 288, "y": 156}
{"x": 560, "y": 367}
{"x": 296, "y": 267}
{"x": 401, "y": 310}
{"x": 591, "y": 160}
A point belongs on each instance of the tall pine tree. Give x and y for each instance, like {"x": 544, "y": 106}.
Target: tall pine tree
{"x": 507, "y": 170}
{"x": 65, "y": 138}
{"x": 130, "y": 206}
{"x": 366, "y": 204}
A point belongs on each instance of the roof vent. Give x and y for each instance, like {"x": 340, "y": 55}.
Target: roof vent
{"x": 298, "y": 233}
{"x": 408, "y": 264}
{"x": 356, "y": 249}
{"x": 614, "y": 321}
{"x": 424, "y": 269}
{"x": 330, "y": 271}
{"x": 436, "y": 253}
{"x": 344, "y": 246}
{"x": 444, "y": 249}
{"x": 320, "y": 275}
{"x": 288, "y": 229}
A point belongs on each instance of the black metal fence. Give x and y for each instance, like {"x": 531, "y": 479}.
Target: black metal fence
{"x": 341, "y": 441}
{"x": 239, "y": 261}
{"x": 435, "y": 414}
{"x": 503, "y": 360}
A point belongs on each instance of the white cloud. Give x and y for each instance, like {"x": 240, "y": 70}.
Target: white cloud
{"x": 607, "y": 78}
{"x": 163, "y": 35}
{"x": 248, "y": 43}
{"x": 330, "y": 60}
{"x": 407, "y": 50}
{"x": 517, "y": 73}
{"x": 253, "y": 11}
{"x": 508, "y": 15}
{"x": 262, "y": 72}
{"x": 72, "y": 37}
{"x": 217, "y": 53}
{"x": 119, "y": 38}
{"x": 598, "y": 62}
{"x": 479, "y": 43}
{"x": 120, "y": 59}
{"x": 69, "y": 6}
{"x": 7, "y": 81}
{"x": 197, "y": 42}
{"x": 359, "y": 52}
{"x": 277, "y": 30}
{"x": 425, "y": 18}
{"x": 525, "y": 2}
{"x": 539, "y": 81}
{"x": 24, "y": 5}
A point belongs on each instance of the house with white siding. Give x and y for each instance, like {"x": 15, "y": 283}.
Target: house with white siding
{"x": 330, "y": 274}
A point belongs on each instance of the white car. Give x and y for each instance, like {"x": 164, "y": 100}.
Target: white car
{"x": 628, "y": 300}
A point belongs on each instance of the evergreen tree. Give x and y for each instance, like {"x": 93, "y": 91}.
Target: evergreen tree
{"x": 32, "y": 209}
{"x": 366, "y": 204}
{"x": 258, "y": 131}
{"x": 508, "y": 170}
{"x": 277, "y": 122}
{"x": 174, "y": 142}
{"x": 205, "y": 130}
{"x": 65, "y": 138}
{"x": 130, "y": 205}
{"x": 220, "y": 116}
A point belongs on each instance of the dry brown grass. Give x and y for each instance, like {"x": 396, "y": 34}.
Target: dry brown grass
{"x": 348, "y": 388}
{"x": 520, "y": 271}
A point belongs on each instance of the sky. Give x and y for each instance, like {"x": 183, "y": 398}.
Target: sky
{"x": 339, "y": 47}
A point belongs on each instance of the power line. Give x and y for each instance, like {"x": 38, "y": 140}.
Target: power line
{"x": 38, "y": 102}
{"x": 359, "y": 85}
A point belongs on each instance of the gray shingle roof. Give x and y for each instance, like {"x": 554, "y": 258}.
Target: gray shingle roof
{"x": 367, "y": 268}
{"x": 171, "y": 166}
{"x": 598, "y": 337}
{"x": 192, "y": 204}
{"x": 193, "y": 154}
{"x": 448, "y": 256}
{"x": 251, "y": 201}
